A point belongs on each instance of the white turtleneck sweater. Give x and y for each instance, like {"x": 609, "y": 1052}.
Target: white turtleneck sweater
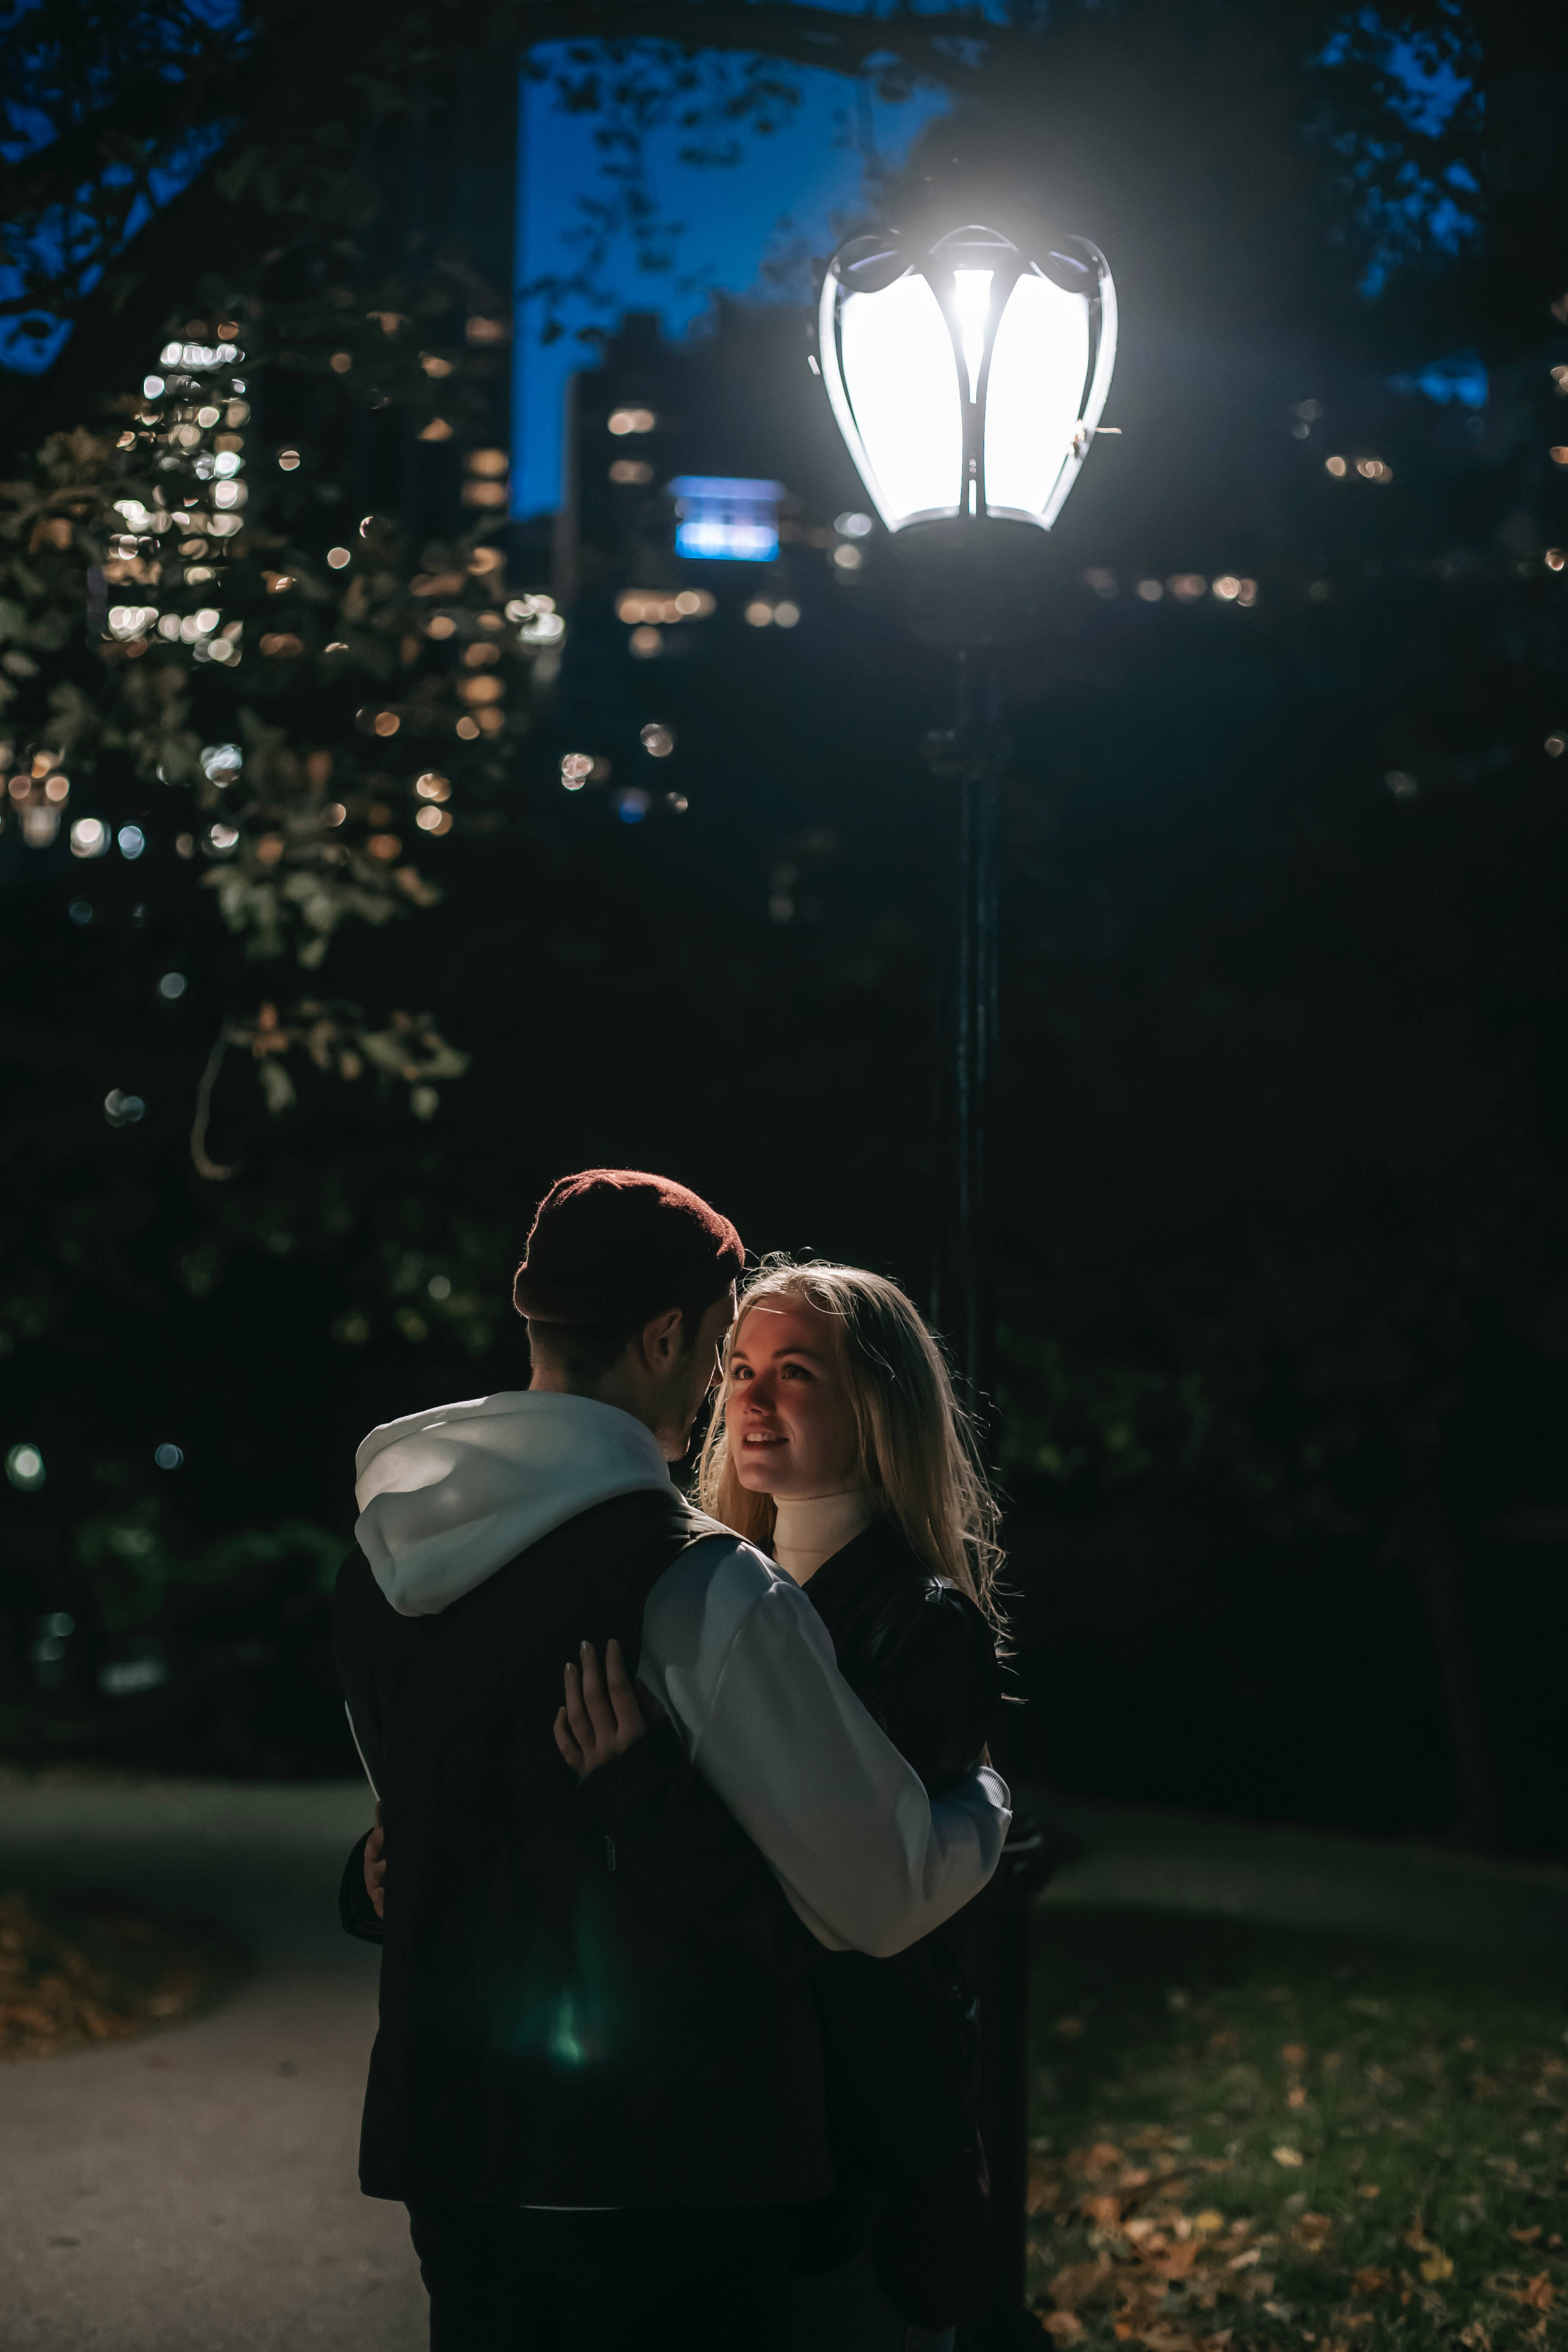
{"x": 809, "y": 1528}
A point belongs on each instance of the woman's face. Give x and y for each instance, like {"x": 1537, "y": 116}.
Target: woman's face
{"x": 787, "y": 1412}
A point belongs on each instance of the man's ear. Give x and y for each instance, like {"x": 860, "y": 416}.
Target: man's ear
{"x": 661, "y": 1339}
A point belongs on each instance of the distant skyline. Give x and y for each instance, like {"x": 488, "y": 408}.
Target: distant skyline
{"x": 785, "y": 190}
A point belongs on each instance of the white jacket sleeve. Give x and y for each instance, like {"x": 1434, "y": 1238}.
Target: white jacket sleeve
{"x": 745, "y": 1665}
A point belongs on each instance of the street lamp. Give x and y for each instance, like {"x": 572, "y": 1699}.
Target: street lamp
{"x": 968, "y": 377}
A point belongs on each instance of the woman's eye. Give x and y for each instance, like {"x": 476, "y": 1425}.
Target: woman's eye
{"x": 796, "y": 1372}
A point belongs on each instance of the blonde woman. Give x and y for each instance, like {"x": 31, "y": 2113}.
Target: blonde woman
{"x": 837, "y": 1446}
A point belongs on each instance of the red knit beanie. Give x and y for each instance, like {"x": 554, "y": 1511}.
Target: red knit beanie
{"x": 613, "y": 1243}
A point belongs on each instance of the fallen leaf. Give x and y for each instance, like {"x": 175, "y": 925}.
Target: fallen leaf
{"x": 1208, "y": 2221}
{"x": 1475, "y": 2337}
{"x": 1540, "y": 2294}
{"x": 1104, "y": 2213}
{"x": 1288, "y": 2155}
{"x": 1294, "y": 2053}
{"x": 1241, "y": 2261}
{"x": 1175, "y": 2262}
{"x": 1082, "y": 2283}
{"x": 1315, "y": 2230}
{"x": 1065, "y": 2326}
{"x": 1101, "y": 2157}
{"x": 1295, "y": 2096}
{"x": 1044, "y": 2194}
{"x": 1369, "y": 2188}
{"x": 1437, "y": 2266}
{"x": 1526, "y": 2237}
{"x": 1369, "y": 2281}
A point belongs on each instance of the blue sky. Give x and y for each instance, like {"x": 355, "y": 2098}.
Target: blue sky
{"x": 785, "y": 188}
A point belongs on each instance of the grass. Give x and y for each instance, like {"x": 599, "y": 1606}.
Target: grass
{"x": 1247, "y": 2138}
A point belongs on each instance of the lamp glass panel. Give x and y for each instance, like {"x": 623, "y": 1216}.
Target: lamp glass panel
{"x": 902, "y": 381}
{"x": 1039, "y": 368}
{"x": 971, "y": 300}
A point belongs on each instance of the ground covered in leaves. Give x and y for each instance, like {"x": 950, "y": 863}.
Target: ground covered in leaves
{"x": 1248, "y": 2138}
{"x": 86, "y": 1971}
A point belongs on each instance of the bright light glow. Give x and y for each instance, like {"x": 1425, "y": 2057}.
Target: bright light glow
{"x": 1335, "y": 465}
{"x": 89, "y": 837}
{"x": 897, "y": 398}
{"x": 171, "y": 986}
{"x": 786, "y": 614}
{"x": 24, "y": 1467}
{"x": 760, "y": 614}
{"x": 635, "y": 605}
{"x": 645, "y": 642}
{"x": 432, "y": 786}
{"x": 575, "y": 769}
{"x": 434, "y": 820}
{"x": 1555, "y": 745}
{"x": 337, "y": 557}
{"x": 852, "y": 525}
{"x": 657, "y": 741}
{"x": 123, "y": 1110}
{"x": 726, "y": 519}
{"x": 168, "y": 1457}
{"x": 972, "y": 301}
{"x": 220, "y": 762}
{"x": 1039, "y": 368}
{"x": 223, "y": 838}
{"x": 1150, "y": 591}
{"x": 1013, "y": 373}
{"x": 132, "y": 840}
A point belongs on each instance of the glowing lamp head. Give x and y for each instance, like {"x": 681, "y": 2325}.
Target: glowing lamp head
{"x": 966, "y": 377}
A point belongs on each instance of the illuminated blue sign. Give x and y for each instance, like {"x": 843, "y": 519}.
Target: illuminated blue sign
{"x": 723, "y": 517}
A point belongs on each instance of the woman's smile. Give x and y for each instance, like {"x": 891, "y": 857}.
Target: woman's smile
{"x": 784, "y": 1393}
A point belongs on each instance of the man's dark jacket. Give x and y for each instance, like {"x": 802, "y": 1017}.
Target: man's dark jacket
{"x": 546, "y": 2037}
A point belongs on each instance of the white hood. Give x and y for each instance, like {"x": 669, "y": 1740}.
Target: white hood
{"x": 447, "y": 1497}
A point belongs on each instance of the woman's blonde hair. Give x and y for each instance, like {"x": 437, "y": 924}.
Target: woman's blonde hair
{"x": 917, "y": 1446}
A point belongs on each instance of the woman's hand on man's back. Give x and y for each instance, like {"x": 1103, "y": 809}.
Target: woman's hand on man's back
{"x": 605, "y": 1712}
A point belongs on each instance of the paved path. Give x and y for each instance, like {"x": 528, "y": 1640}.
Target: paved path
{"x": 196, "y": 2192}
{"x": 1515, "y": 1914}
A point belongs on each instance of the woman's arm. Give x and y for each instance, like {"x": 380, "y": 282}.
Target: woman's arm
{"x": 937, "y": 1692}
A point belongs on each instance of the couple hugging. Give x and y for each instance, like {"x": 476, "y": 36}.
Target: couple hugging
{"x": 674, "y": 1807}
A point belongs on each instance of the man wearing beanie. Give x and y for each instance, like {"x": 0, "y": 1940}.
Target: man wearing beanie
{"x": 596, "y": 2118}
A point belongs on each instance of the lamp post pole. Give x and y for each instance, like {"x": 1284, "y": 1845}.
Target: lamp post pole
{"x": 966, "y": 765}
{"x": 967, "y": 374}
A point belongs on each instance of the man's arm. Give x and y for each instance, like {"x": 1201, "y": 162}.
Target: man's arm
{"x": 735, "y": 1650}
